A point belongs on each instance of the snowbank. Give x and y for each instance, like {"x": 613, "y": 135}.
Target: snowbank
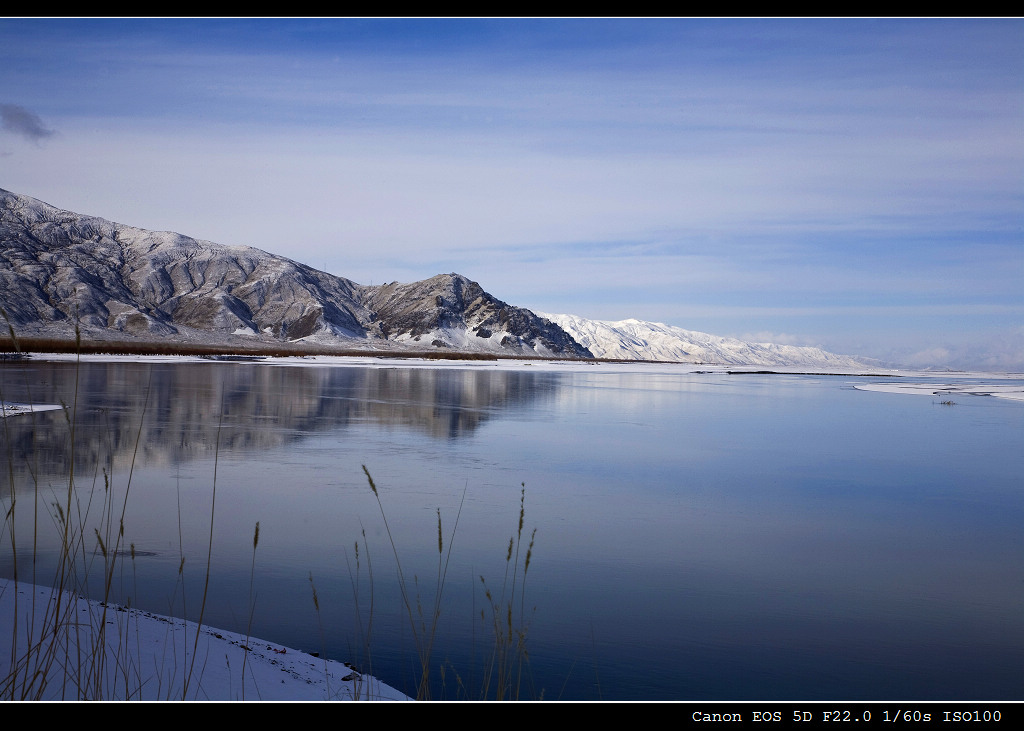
{"x": 112, "y": 653}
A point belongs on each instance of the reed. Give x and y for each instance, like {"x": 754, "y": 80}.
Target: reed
{"x": 508, "y": 621}
{"x": 505, "y": 674}
{"x": 251, "y": 604}
{"x": 56, "y": 653}
{"x": 53, "y": 649}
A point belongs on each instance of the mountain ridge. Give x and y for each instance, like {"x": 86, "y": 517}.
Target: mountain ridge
{"x": 60, "y": 269}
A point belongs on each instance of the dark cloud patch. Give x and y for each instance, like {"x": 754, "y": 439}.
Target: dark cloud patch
{"x": 23, "y": 122}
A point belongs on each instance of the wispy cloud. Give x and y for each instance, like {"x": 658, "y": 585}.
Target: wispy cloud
{"x": 23, "y": 122}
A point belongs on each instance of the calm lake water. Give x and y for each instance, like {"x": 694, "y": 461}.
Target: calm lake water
{"x": 698, "y": 535}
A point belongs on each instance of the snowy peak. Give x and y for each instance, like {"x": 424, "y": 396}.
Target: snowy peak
{"x": 638, "y": 340}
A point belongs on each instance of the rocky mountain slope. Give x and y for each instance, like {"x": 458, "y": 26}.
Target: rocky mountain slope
{"x": 59, "y": 267}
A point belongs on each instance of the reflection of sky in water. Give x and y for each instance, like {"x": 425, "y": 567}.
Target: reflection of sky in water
{"x": 701, "y": 535}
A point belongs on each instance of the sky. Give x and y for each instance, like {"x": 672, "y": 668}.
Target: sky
{"x": 852, "y": 184}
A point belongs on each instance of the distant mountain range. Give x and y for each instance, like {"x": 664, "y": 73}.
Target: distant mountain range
{"x": 121, "y": 282}
{"x": 639, "y": 340}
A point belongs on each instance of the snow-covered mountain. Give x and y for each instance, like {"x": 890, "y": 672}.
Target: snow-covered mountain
{"x": 638, "y": 340}
{"x": 58, "y": 268}
{"x": 118, "y": 282}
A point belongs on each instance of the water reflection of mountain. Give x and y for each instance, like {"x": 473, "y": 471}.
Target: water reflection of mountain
{"x": 173, "y": 410}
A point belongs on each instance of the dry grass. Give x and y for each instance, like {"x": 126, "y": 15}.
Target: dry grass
{"x": 505, "y": 674}
{"x": 89, "y": 520}
{"x": 54, "y": 653}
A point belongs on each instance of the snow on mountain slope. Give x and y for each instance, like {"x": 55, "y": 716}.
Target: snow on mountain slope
{"x": 638, "y": 340}
{"x": 60, "y": 269}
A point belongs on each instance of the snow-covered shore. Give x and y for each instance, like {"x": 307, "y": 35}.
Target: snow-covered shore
{"x": 112, "y": 653}
{"x": 965, "y": 383}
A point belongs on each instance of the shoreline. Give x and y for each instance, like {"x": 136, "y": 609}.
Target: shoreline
{"x": 982, "y": 383}
{"x": 152, "y": 657}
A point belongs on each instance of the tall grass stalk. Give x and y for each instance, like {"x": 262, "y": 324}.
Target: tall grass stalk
{"x": 8, "y": 523}
{"x": 56, "y": 654}
{"x": 320, "y": 627}
{"x": 251, "y": 605}
{"x": 503, "y": 677}
{"x": 209, "y": 557}
{"x": 507, "y": 665}
{"x": 54, "y": 647}
{"x": 424, "y": 629}
{"x": 56, "y": 650}
{"x": 362, "y": 656}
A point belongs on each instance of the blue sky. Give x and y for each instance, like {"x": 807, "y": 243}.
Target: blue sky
{"x": 852, "y": 184}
